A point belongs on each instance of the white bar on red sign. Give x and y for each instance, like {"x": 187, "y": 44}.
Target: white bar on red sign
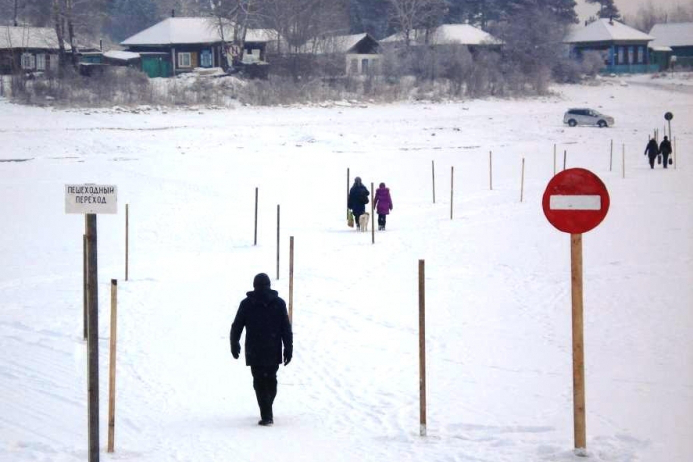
{"x": 575, "y": 202}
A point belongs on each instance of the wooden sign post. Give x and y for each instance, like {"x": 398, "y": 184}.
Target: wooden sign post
{"x": 348, "y": 184}
{"x": 623, "y": 160}
{"x": 291, "y": 279}
{"x": 127, "y": 240}
{"x": 522, "y": 181}
{"x": 674, "y": 153}
{"x": 554, "y": 159}
{"x": 611, "y": 155}
{"x": 576, "y": 201}
{"x": 490, "y": 171}
{"x": 565, "y": 158}
{"x": 112, "y": 366}
{"x": 422, "y": 348}
{"x": 85, "y": 282}
{"x": 90, "y": 199}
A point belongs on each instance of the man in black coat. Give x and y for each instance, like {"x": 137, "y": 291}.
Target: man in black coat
{"x": 358, "y": 198}
{"x": 263, "y": 314}
{"x": 651, "y": 151}
{"x": 665, "y": 150}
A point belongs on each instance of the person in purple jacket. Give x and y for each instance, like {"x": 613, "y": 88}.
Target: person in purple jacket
{"x": 383, "y": 204}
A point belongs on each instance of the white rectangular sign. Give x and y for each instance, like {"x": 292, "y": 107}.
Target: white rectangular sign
{"x": 575, "y": 202}
{"x": 91, "y": 198}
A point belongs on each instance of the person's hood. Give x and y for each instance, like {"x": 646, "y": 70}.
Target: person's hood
{"x": 264, "y": 295}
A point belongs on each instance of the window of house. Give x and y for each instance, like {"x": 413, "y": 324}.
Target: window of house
{"x": 40, "y": 62}
{"x": 621, "y": 56}
{"x": 641, "y": 55}
{"x": 206, "y": 58}
{"x": 185, "y": 59}
{"x": 28, "y": 61}
{"x": 631, "y": 57}
{"x": 364, "y": 66}
{"x": 354, "y": 66}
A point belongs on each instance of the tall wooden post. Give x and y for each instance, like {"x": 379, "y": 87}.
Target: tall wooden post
{"x": 291, "y": 279}
{"x": 674, "y": 153}
{"x": 422, "y": 347}
{"x": 669, "y": 121}
{"x": 255, "y": 233}
{"x": 522, "y": 181}
{"x": 623, "y": 161}
{"x": 490, "y": 171}
{"x": 278, "y": 228}
{"x": 433, "y": 173}
{"x": 611, "y": 155}
{"x": 127, "y": 240}
{"x": 565, "y": 158}
{"x": 93, "y": 341}
{"x": 372, "y": 215}
{"x": 348, "y": 184}
{"x": 112, "y": 366}
{"x": 579, "y": 421}
{"x": 452, "y": 188}
{"x": 554, "y": 159}
{"x": 85, "y": 283}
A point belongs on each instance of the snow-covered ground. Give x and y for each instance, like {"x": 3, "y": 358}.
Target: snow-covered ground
{"x": 499, "y": 365}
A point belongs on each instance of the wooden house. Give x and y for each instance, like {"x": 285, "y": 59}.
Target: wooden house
{"x": 472, "y": 37}
{"x": 359, "y": 53}
{"x": 625, "y": 49}
{"x": 28, "y": 49}
{"x": 179, "y": 45}
{"x": 672, "y": 45}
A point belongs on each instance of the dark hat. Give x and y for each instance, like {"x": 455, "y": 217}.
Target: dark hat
{"x": 261, "y": 281}
{"x": 382, "y": 185}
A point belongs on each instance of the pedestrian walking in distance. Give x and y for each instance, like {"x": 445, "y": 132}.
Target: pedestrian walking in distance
{"x": 651, "y": 151}
{"x": 266, "y": 322}
{"x": 358, "y": 198}
{"x": 665, "y": 150}
{"x": 383, "y": 204}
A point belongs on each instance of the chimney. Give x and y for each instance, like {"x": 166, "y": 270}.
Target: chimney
{"x": 100, "y": 44}
{"x": 173, "y": 13}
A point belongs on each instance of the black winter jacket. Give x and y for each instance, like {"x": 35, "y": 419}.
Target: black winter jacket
{"x": 665, "y": 147}
{"x": 263, "y": 314}
{"x": 358, "y": 198}
{"x": 652, "y": 150}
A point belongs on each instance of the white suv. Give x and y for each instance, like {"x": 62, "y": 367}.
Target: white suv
{"x": 584, "y": 116}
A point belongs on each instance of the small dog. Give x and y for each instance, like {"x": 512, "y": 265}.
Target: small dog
{"x": 363, "y": 222}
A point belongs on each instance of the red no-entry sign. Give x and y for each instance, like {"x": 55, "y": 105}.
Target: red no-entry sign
{"x": 575, "y": 201}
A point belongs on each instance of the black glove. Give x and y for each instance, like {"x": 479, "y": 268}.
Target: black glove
{"x": 236, "y": 350}
{"x": 287, "y": 357}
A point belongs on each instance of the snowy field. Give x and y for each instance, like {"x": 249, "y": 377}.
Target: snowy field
{"x": 499, "y": 364}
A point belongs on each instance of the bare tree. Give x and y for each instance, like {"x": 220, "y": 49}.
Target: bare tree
{"x": 410, "y": 15}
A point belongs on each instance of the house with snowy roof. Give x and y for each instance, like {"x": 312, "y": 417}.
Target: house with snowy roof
{"x": 360, "y": 53}
{"x": 179, "y": 45}
{"x": 28, "y": 49}
{"x": 448, "y": 34}
{"x": 672, "y": 44}
{"x": 625, "y": 50}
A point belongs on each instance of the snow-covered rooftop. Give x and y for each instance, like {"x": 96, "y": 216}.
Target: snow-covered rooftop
{"x": 336, "y": 44}
{"x": 449, "y": 34}
{"x": 28, "y": 37}
{"x": 672, "y": 35}
{"x": 121, "y": 55}
{"x": 173, "y": 31}
{"x": 605, "y": 30}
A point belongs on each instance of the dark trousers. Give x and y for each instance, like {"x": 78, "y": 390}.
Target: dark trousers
{"x": 382, "y": 218}
{"x": 665, "y": 160}
{"x": 652, "y": 161}
{"x": 265, "y": 385}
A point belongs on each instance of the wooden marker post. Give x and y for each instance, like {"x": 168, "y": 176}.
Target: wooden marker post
{"x": 127, "y": 240}
{"x": 565, "y": 158}
{"x": 611, "y": 155}
{"x": 93, "y": 340}
{"x": 278, "y": 228}
{"x": 291, "y": 279}
{"x": 579, "y": 423}
{"x": 85, "y": 283}
{"x": 348, "y": 184}
{"x": 490, "y": 171}
{"x": 554, "y": 159}
{"x": 433, "y": 173}
{"x": 255, "y": 233}
{"x": 623, "y": 160}
{"x": 422, "y": 348}
{"x": 522, "y": 181}
{"x": 674, "y": 153}
{"x": 372, "y": 215}
{"x": 112, "y": 366}
{"x": 452, "y": 188}
{"x": 576, "y": 201}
